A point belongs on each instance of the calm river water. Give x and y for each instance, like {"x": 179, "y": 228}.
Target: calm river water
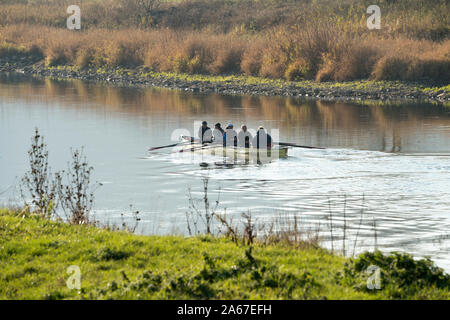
{"x": 390, "y": 162}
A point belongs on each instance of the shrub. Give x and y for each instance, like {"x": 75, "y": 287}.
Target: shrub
{"x": 273, "y": 67}
{"x": 122, "y": 53}
{"x": 298, "y": 70}
{"x": 348, "y": 61}
{"x": 252, "y": 60}
{"x": 85, "y": 57}
{"x": 76, "y": 194}
{"x": 38, "y": 181}
{"x": 36, "y": 51}
{"x": 56, "y": 56}
{"x": 193, "y": 57}
{"x": 391, "y": 68}
{"x": 356, "y": 63}
{"x": 327, "y": 70}
{"x": 429, "y": 69}
{"x": 401, "y": 275}
{"x": 8, "y": 50}
{"x": 227, "y": 60}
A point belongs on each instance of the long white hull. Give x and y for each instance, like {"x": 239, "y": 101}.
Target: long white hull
{"x": 236, "y": 152}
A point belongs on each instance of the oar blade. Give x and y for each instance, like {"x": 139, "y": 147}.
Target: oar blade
{"x": 162, "y": 147}
{"x": 287, "y": 144}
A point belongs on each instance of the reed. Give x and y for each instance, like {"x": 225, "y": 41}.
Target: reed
{"x": 320, "y": 40}
{"x": 413, "y": 18}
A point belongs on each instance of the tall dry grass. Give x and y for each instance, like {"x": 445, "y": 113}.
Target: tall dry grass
{"x": 291, "y": 39}
{"x": 318, "y": 52}
{"x": 414, "y": 18}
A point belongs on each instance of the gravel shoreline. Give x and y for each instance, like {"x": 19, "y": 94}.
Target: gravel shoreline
{"x": 138, "y": 78}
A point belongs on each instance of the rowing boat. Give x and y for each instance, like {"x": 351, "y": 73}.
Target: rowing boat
{"x": 237, "y": 152}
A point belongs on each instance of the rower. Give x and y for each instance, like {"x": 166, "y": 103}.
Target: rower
{"x": 244, "y": 137}
{"x": 262, "y": 139}
{"x": 230, "y": 136}
{"x": 218, "y": 133}
{"x": 205, "y": 133}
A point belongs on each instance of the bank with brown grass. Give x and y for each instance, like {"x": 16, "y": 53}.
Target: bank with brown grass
{"x": 380, "y": 91}
{"x": 319, "y": 53}
{"x": 314, "y": 41}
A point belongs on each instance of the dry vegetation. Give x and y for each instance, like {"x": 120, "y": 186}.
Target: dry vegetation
{"x": 322, "y": 40}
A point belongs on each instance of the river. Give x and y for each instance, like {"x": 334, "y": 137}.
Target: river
{"x": 385, "y": 172}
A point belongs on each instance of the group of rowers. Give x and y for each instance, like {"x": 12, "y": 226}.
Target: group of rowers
{"x": 229, "y": 136}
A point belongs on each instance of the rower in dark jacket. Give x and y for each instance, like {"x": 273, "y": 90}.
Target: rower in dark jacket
{"x": 205, "y": 133}
{"x": 262, "y": 139}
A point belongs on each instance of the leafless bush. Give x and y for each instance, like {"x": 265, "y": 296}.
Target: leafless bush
{"x": 246, "y": 230}
{"x": 283, "y": 229}
{"x": 141, "y": 10}
{"x": 76, "y": 194}
{"x": 124, "y": 226}
{"x": 195, "y": 215}
{"x": 38, "y": 180}
{"x": 231, "y": 230}
{"x": 288, "y": 229}
{"x": 250, "y": 233}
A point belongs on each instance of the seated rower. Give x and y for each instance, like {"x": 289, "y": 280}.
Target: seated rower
{"x": 205, "y": 133}
{"x": 244, "y": 137}
{"x": 218, "y": 133}
{"x": 262, "y": 139}
{"x": 230, "y": 136}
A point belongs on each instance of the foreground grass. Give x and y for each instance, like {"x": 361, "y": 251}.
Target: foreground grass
{"x": 35, "y": 254}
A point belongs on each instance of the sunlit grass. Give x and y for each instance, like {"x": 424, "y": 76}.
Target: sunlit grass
{"x": 35, "y": 254}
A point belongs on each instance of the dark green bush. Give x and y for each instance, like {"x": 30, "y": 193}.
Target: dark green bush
{"x": 401, "y": 275}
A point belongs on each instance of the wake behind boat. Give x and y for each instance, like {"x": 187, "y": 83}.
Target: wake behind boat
{"x": 240, "y": 152}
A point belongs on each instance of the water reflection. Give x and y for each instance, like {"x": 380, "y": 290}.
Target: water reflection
{"x": 390, "y": 128}
{"x": 396, "y": 156}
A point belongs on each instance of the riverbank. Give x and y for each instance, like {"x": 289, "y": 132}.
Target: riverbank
{"x": 235, "y": 85}
{"x": 36, "y": 253}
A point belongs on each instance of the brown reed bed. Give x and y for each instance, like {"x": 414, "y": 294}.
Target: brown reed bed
{"x": 320, "y": 53}
{"x": 293, "y": 40}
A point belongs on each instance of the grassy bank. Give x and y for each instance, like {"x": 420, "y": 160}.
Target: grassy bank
{"x": 35, "y": 254}
{"x": 359, "y": 90}
{"x": 292, "y": 40}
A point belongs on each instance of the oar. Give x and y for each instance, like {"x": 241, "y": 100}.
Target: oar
{"x": 287, "y": 144}
{"x": 168, "y": 146}
{"x": 197, "y": 147}
{"x": 188, "y": 138}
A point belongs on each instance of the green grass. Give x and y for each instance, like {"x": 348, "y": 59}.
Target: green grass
{"x": 357, "y": 85}
{"x": 35, "y": 254}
